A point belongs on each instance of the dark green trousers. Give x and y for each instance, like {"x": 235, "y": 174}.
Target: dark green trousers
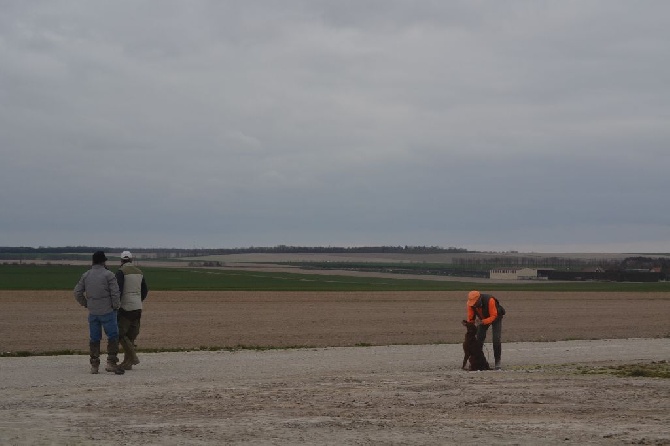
{"x": 129, "y": 329}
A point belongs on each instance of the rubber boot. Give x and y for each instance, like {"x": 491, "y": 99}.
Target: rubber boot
{"x": 135, "y": 359}
{"x": 497, "y": 354}
{"x": 127, "y": 363}
{"x": 94, "y": 348}
{"x": 129, "y": 355}
{"x": 113, "y": 358}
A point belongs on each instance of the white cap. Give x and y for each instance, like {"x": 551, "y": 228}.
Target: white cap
{"x": 126, "y": 255}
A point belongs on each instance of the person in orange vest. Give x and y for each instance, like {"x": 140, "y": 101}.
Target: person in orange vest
{"x": 490, "y": 313}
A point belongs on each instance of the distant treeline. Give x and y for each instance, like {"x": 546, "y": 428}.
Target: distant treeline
{"x": 283, "y": 249}
{"x": 475, "y": 264}
{"x": 641, "y": 269}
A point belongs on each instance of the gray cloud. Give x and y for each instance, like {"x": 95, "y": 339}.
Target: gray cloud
{"x": 486, "y": 125}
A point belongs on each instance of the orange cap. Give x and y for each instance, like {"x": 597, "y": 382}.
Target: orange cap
{"x": 473, "y": 297}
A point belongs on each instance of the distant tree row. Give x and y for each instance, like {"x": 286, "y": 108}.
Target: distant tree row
{"x": 535, "y": 262}
{"x": 283, "y": 249}
{"x": 567, "y": 263}
{"x": 53, "y": 250}
{"x": 645, "y": 263}
{"x": 475, "y": 263}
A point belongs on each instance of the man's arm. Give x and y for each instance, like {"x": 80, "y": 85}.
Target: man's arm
{"x": 115, "y": 295}
{"x": 471, "y": 314}
{"x": 145, "y": 289}
{"x": 120, "y": 278}
{"x": 493, "y": 312}
{"x": 79, "y": 291}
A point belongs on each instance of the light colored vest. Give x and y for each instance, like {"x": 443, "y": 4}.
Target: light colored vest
{"x": 131, "y": 299}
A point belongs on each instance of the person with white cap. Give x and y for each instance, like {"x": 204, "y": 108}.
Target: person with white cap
{"x": 490, "y": 313}
{"x": 133, "y": 289}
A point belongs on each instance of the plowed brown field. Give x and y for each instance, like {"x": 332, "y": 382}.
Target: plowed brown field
{"x": 40, "y": 321}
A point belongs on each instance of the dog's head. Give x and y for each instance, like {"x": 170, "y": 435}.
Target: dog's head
{"x": 471, "y": 327}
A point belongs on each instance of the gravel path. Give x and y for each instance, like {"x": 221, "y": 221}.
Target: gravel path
{"x": 406, "y": 395}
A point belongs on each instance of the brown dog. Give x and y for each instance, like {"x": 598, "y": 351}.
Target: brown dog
{"x": 473, "y": 349}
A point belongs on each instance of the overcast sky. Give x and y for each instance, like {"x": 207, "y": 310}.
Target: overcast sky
{"x": 494, "y": 125}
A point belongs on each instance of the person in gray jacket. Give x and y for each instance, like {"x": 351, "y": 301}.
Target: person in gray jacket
{"x": 98, "y": 291}
{"x": 133, "y": 290}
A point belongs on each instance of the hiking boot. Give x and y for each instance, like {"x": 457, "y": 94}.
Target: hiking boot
{"x": 95, "y": 356}
{"x": 497, "y": 355}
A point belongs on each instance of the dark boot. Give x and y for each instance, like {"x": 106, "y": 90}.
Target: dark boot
{"x": 497, "y": 354}
{"x": 129, "y": 355}
{"x": 127, "y": 363}
{"x": 94, "y": 348}
{"x": 113, "y": 358}
{"x": 135, "y": 359}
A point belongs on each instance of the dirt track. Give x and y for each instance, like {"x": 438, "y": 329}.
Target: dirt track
{"x": 402, "y": 394}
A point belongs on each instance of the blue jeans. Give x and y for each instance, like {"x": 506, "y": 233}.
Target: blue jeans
{"x": 107, "y": 321}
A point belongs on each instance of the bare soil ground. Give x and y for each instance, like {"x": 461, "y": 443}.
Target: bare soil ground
{"x": 51, "y": 320}
{"x": 334, "y": 393}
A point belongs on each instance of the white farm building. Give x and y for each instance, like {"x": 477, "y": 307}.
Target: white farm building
{"x": 518, "y": 274}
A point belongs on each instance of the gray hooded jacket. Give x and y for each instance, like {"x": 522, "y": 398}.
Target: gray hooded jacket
{"x": 98, "y": 291}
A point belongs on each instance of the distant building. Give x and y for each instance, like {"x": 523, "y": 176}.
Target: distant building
{"x": 519, "y": 274}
